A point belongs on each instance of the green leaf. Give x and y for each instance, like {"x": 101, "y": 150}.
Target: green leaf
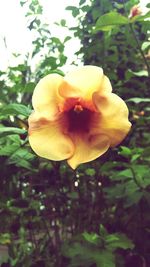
{"x": 132, "y": 198}
{"x": 146, "y": 152}
{"x": 22, "y": 157}
{"x": 16, "y": 109}
{"x": 107, "y": 167}
{"x": 104, "y": 258}
{"x": 140, "y": 73}
{"x": 9, "y": 149}
{"x": 138, "y": 100}
{"x": 67, "y": 38}
{"x": 102, "y": 230}
{"x": 115, "y": 241}
{"x": 22, "y": 2}
{"x": 125, "y": 151}
{"x": 29, "y": 87}
{"x": 23, "y": 153}
{"x": 91, "y": 238}
{"x": 5, "y": 239}
{"x": 145, "y": 45}
{"x": 142, "y": 17}
{"x": 20, "y": 67}
{"x": 75, "y": 10}
{"x": 125, "y": 173}
{"x": 63, "y": 22}
{"x": 73, "y": 250}
{"x": 115, "y": 192}
{"x": 11, "y": 130}
{"x": 130, "y": 188}
{"x": 82, "y": 2}
{"x": 73, "y": 195}
{"x": 88, "y": 255}
{"x": 90, "y": 171}
{"x": 109, "y": 21}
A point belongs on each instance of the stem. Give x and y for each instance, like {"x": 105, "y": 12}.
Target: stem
{"x": 140, "y": 50}
{"x": 35, "y": 244}
{"x": 46, "y": 228}
{"x": 138, "y": 43}
{"x": 135, "y": 179}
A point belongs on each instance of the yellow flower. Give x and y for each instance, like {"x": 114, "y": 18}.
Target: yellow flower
{"x": 76, "y": 117}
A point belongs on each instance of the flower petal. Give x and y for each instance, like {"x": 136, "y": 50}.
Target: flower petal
{"x": 82, "y": 82}
{"x": 46, "y": 98}
{"x": 113, "y": 119}
{"x": 88, "y": 148}
{"x": 105, "y": 85}
{"x": 47, "y": 139}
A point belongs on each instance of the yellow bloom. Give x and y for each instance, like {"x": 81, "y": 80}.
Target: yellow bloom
{"x": 76, "y": 117}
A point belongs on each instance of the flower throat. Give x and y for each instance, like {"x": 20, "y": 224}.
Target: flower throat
{"x": 79, "y": 119}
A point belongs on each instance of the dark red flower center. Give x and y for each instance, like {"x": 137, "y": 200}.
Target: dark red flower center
{"x": 79, "y": 119}
{"x": 79, "y": 115}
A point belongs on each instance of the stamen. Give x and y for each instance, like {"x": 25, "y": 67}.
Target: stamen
{"x": 78, "y": 108}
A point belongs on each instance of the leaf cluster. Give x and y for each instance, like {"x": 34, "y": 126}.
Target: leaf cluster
{"x": 97, "y": 216}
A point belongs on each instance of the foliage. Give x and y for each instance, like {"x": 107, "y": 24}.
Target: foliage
{"x": 99, "y": 215}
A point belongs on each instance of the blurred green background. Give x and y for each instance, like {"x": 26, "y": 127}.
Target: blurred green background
{"x": 98, "y": 215}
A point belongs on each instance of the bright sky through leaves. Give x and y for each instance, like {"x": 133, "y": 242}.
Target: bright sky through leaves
{"x": 16, "y": 38}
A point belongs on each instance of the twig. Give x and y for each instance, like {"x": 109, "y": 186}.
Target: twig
{"x": 140, "y": 50}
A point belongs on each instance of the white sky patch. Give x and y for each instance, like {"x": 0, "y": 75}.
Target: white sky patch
{"x": 13, "y": 27}
{"x": 15, "y": 37}
{"x": 54, "y": 13}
